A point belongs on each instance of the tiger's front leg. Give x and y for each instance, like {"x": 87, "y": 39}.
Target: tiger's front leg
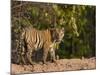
{"x": 45, "y": 54}
{"x": 52, "y": 55}
{"x": 52, "y": 52}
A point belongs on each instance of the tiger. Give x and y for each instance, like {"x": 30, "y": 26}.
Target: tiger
{"x": 32, "y": 39}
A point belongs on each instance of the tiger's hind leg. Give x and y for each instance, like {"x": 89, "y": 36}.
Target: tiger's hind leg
{"x": 21, "y": 56}
{"x": 21, "y": 52}
{"x": 29, "y": 57}
{"x": 23, "y": 59}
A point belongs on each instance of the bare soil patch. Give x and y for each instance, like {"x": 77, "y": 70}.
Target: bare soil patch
{"x": 59, "y": 65}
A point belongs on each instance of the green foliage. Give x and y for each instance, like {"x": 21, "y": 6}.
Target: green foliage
{"x": 76, "y": 19}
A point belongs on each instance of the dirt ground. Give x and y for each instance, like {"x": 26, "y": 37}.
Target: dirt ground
{"x": 59, "y": 65}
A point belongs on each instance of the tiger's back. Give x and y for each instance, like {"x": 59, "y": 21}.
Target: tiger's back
{"x": 36, "y": 39}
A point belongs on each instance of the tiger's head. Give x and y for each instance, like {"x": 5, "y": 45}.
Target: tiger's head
{"x": 57, "y": 34}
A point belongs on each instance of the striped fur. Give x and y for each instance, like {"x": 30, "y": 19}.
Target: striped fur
{"x": 34, "y": 40}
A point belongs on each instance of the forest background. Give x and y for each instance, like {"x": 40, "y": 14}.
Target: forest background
{"x": 49, "y": 15}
